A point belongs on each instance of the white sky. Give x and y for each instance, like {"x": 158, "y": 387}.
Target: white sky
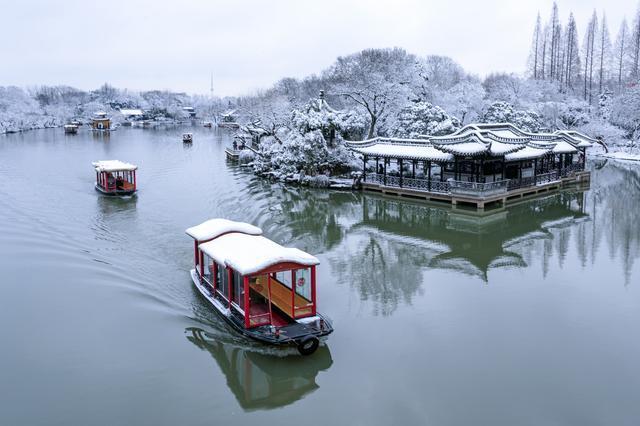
{"x": 249, "y": 45}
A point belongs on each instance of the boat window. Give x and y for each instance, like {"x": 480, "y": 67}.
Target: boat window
{"x": 223, "y": 280}
{"x": 238, "y": 289}
{"x": 284, "y": 277}
{"x": 303, "y": 282}
{"x": 208, "y": 267}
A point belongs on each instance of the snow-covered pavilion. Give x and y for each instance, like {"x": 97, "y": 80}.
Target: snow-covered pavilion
{"x": 479, "y": 163}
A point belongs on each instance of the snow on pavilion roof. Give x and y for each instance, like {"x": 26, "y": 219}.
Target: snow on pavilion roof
{"x": 529, "y": 152}
{"x": 415, "y": 149}
{"x": 495, "y": 139}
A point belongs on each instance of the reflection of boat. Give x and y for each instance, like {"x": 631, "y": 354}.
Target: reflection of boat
{"x": 265, "y": 291}
{"x": 261, "y": 381}
{"x": 113, "y": 177}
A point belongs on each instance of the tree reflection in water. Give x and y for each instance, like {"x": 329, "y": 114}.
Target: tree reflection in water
{"x": 381, "y": 246}
{"x": 259, "y": 380}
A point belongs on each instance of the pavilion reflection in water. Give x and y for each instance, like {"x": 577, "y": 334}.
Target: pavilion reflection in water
{"x": 469, "y": 242}
{"x": 259, "y": 380}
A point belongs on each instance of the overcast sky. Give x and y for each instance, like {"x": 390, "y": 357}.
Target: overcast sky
{"x": 249, "y": 45}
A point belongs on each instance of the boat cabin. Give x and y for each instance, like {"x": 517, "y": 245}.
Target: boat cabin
{"x": 187, "y": 137}
{"x": 100, "y": 121}
{"x": 263, "y": 289}
{"x": 114, "y": 177}
{"x": 71, "y": 128}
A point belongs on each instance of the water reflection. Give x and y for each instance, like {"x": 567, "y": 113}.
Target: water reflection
{"x": 261, "y": 381}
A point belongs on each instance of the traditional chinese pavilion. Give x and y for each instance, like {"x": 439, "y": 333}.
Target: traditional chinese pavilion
{"x": 478, "y": 164}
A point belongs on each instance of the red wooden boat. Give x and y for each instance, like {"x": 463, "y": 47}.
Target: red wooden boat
{"x": 264, "y": 290}
{"x": 114, "y": 177}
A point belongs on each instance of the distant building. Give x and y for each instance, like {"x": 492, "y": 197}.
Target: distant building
{"x": 191, "y": 111}
{"x": 100, "y": 121}
{"x": 132, "y": 114}
{"x": 229, "y": 119}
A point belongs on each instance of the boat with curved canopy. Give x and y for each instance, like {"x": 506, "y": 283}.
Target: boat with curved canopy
{"x": 262, "y": 289}
{"x": 114, "y": 177}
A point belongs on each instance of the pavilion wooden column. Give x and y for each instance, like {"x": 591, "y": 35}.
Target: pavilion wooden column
{"x": 441, "y": 172}
{"x": 413, "y": 174}
{"x": 384, "y": 176}
{"x": 400, "y": 167}
{"x": 429, "y": 175}
{"x": 455, "y": 169}
{"x": 364, "y": 168}
{"x": 535, "y": 170}
{"x": 377, "y": 165}
{"x": 503, "y": 166}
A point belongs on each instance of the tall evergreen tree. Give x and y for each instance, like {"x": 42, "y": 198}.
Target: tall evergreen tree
{"x": 588, "y": 52}
{"x": 620, "y": 51}
{"x": 635, "y": 47}
{"x": 535, "y": 49}
{"x": 572, "y": 60}
{"x": 604, "y": 52}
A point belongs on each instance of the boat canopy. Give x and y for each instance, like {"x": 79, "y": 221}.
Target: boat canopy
{"x": 113, "y": 166}
{"x": 249, "y": 254}
{"x": 216, "y": 227}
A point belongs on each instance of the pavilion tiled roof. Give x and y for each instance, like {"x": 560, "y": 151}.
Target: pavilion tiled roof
{"x": 495, "y": 139}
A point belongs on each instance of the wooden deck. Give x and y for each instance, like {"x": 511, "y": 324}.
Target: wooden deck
{"x": 281, "y": 296}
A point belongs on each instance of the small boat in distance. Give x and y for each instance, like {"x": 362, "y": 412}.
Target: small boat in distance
{"x": 71, "y": 129}
{"x": 264, "y": 290}
{"x": 114, "y": 177}
{"x": 187, "y": 137}
{"x": 207, "y": 124}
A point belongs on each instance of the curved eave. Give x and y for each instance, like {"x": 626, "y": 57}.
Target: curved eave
{"x": 467, "y": 149}
{"x": 527, "y": 153}
{"x": 410, "y": 152}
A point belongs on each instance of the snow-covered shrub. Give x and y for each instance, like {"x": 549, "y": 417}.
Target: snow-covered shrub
{"x": 423, "y": 118}
{"x": 503, "y": 112}
{"x": 246, "y": 156}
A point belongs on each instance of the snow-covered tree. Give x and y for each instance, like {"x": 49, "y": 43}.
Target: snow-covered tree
{"x": 503, "y": 112}
{"x": 375, "y": 80}
{"x": 422, "y": 118}
{"x": 621, "y": 53}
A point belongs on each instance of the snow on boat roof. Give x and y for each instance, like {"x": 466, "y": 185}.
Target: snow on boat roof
{"x": 113, "y": 166}
{"x": 248, "y": 254}
{"x": 526, "y": 153}
{"x": 396, "y": 150}
{"x": 214, "y": 228}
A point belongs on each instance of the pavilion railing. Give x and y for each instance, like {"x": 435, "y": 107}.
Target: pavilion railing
{"x": 409, "y": 183}
{"x": 571, "y": 169}
{"x": 472, "y": 189}
{"x": 478, "y": 189}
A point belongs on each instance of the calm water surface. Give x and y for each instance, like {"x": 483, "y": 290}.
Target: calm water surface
{"x": 529, "y": 316}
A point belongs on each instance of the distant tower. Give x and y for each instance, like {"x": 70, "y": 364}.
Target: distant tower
{"x": 211, "y": 85}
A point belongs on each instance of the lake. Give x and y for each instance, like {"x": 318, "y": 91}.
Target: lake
{"x": 529, "y": 315}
